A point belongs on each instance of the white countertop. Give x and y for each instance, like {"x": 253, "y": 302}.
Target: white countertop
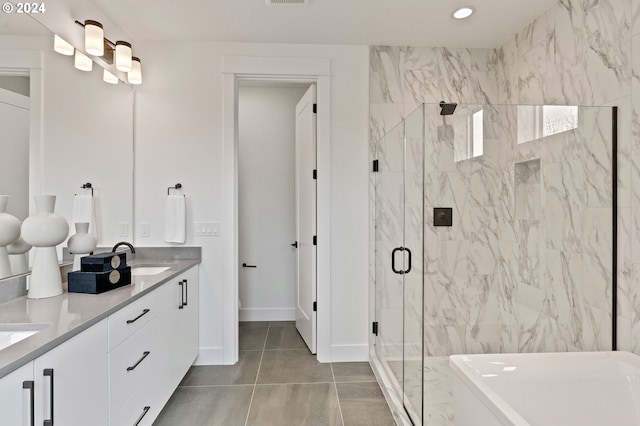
{"x": 71, "y": 313}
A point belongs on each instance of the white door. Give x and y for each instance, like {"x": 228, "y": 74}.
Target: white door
{"x": 306, "y": 217}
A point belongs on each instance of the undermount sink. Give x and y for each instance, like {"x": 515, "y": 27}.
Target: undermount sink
{"x": 148, "y": 270}
{"x": 11, "y": 333}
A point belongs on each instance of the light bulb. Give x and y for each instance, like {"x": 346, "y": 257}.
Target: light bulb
{"x": 83, "y": 62}
{"x": 93, "y": 38}
{"x": 62, "y": 46}
{"x": 135, "y": 75}
{"x": 109, "y": 78}
{"x": 123, "y": 56}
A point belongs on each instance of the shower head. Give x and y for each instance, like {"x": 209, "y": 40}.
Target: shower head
{"x": 447, "y": 109}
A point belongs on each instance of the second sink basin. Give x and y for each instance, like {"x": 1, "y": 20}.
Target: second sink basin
{"x": 11, "y": 333}
{"x": 148, "y": 270}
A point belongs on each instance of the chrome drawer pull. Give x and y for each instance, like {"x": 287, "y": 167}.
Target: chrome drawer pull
{"x": 144, "y": 355}
{"x": 144, "y": 312}
{"x": 144, "y": 413}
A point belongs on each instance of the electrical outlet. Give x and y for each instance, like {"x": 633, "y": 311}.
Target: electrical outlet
{"x": 144, "y": 229}
{"x": 124, "y": 229}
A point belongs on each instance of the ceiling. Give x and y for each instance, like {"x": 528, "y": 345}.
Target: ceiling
{"x": 362, "y": 22}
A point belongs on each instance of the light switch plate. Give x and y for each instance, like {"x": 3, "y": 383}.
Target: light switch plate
{"x": 124, "y": 229}
{"x": 207, "y": 229}
{"x": 144, "y": 229}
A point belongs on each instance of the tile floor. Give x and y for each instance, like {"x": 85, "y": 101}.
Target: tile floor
{"x": 277, "y": 382}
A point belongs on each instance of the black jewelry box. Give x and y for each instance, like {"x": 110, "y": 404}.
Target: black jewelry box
{"x": 98, "y": 282}
{"x": 103, "y": 262}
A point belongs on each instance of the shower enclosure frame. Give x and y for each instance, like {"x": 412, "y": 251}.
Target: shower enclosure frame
{"x": 404, "y": 417}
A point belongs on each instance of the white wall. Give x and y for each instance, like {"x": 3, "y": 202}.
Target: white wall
{"x": 178, "y": 133}
{"x": 266, "y": 201}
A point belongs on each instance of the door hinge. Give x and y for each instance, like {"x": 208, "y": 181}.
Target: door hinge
{"x": 315, "y": 240}
{"x": 315, "y": 306}
{"x": 315, "y": 174}
{"x": 375, "y": 165}
{"x": 315, "y": 108}
{"x": 374, "y": 328}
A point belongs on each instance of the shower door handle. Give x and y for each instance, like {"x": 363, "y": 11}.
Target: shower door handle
{"x": 393, "y": 260}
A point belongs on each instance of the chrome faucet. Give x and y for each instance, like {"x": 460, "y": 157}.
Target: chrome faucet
{"x": 124, "y": 243}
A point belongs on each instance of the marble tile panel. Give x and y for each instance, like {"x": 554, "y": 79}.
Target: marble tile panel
{"x": 531, "y": 67}
{"x": 625, "y": 264}
{"x": 507, "y": 72}
{"x": 635, "y": 13}
{"x": 386, "y": 74}
{"x": 607, "y": 34}
{"x": 597, "y": 329}
{"x": 532, "y": 35}
{"x": 382, "y": 118}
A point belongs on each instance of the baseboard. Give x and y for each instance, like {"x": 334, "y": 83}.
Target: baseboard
{"x": 349, "y": 353}
{"x": 210, "y": 356}
{"x": 267, "y": 314}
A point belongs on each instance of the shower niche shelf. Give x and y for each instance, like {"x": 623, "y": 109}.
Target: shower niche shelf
{"x": 528, "y": 190}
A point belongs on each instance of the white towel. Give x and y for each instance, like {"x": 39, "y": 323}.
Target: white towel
{"x": 83, "y": 211}
{"x": 175, "y": 223}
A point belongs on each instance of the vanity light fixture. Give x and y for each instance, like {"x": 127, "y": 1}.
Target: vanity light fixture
{"x": 93, "y": 38}
{"x": 109, "y": 78}
{"x": 135, "y": 75}
{"x": 463, "y": 12}
{"x": 83, "y": 62}
{"x": 123, "y": 56}
{"x": 62, "y": 46}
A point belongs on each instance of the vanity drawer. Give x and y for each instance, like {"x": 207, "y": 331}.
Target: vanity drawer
{"x": 141, "y": 409}
{"x": 131, "y": 364}
{"x": 131, "y": 318}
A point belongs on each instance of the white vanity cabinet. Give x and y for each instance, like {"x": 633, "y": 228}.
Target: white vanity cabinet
{"x": 179, "y": 302}
{"x": 17, "y": 395}
{"x": 71, "y": 381}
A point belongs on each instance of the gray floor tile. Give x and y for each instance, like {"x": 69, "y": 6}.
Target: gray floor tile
{"x": 292, "y": 366}
{"x": 253, "y": 323}
{"x": 363, "y": 404}
{"x": 284, "y": 338}
{"x": 353, "y": 372}
{"x": 252, "y": 338}
{"x": 282, "y": 324}
{"x": 242, "y": 373}
{"x": 211, "y": 406}
{"x": 292, "y": 405}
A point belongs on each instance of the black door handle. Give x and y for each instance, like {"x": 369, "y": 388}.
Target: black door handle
{"x": 181, "y": 284}
{"x": 49, "y": 372}
{"x": 294, "y": 244}
{"x": 244, "y": 265}
{"x": 28, "y": 384}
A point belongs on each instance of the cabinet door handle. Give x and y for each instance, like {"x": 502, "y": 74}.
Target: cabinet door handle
{"x": 49, "y": 372}
{"x": 144, "y": 355}
{"x": 186, "y": 292}
{"x": 28, "y": 384}
{"x": 181, "y": 284}
{"x": 144, "y": 312}
{"x": 144, "y": 413}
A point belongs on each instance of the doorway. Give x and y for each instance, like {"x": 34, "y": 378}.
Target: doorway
{"x": 276, "y": 204}
{"x": 299, "y": 70}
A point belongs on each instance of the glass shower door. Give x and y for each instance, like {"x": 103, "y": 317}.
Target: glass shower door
{"x": 399, "y": 248}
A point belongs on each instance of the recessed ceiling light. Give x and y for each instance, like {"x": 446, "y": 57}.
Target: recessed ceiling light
{"x": 463, "y": 12}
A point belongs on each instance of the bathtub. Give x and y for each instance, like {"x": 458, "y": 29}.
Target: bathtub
{"x": 547, "y": 389}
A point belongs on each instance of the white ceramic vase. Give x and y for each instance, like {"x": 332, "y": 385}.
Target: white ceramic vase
{"x": 9, "y": 232}
{"x": 18, "y": 256}
{"x": 44, "y": 231}
{"x": 81, "y": 243}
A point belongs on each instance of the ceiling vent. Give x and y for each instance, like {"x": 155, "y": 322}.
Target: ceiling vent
{"x": 287, "y": 2}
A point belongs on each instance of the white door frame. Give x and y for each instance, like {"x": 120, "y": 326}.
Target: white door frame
{"x": 299, "y": 70}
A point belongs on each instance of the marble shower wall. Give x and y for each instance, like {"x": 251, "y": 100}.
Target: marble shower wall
{"x": 580, "y": 52}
